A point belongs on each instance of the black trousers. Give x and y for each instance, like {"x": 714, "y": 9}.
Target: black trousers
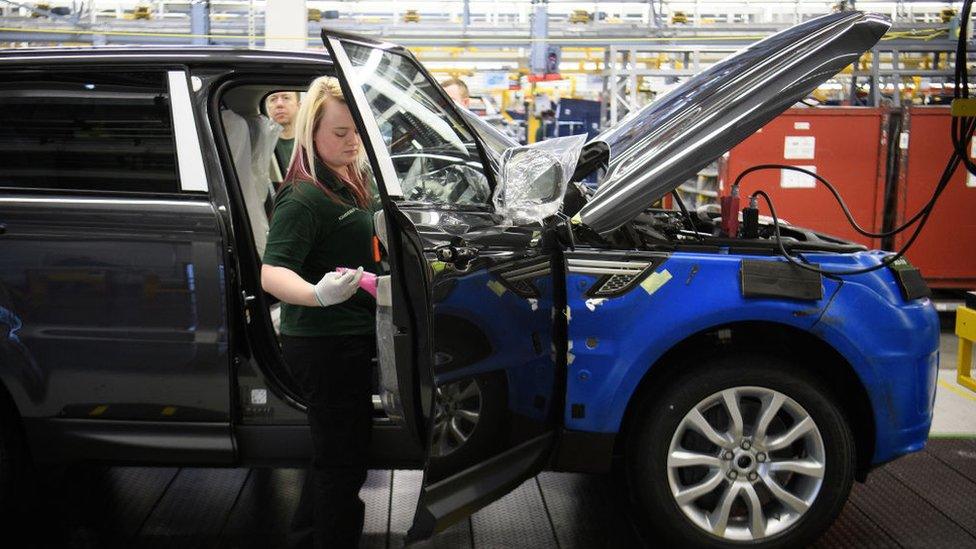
{"x": 334, "y": 374}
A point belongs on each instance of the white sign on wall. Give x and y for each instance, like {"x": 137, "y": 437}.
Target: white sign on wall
{"x": 799, "y": 147}
{"x": 790, "y": 179}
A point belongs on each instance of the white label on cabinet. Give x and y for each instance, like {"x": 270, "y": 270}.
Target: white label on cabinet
{"x": 799, "y": 147}
{"x": 801, "y": 125}
{"x": 790, "y": 179}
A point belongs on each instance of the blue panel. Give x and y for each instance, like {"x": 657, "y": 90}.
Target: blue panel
{"x": 892, "y": 345}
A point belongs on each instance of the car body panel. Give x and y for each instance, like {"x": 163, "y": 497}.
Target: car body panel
{"x": 686, "y": 294}
{"x": 114, "y": 321}
{"x": 655, "y": 149}
{"x": 890, "y": 344}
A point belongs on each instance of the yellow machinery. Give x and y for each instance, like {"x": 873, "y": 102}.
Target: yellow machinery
{"x": 947, "y": 14}
{"x": 314, "y": 15}
{"x": 411, "y": 16}
{"x": 40, "y": 6}
{"x": 966, "y": 331}
{"x": 579, "y": 16}
{"x": 142, "y": 11}
{"x": 679, "y": 18}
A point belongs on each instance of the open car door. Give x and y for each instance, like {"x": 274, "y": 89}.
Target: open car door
{"x": 471, "y": 325}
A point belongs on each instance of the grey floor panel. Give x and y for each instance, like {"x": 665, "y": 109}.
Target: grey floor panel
{"x": 405, "y": 491}
{"x": 262, "y": 513}
{"x": 517, "y": 520}
{"x": 132, "y": 493}
{"x": 941, "y": 486}
{"x": 584, "y": 511}
{"x": 853, "y": 529}
{"x": 194, "y": 509}
{"x": 909, "y": 519}
{"x": 93, "y": 506}
{"x": 376, "y": 495}
{"x": 923, "y": 500}
{"x": 959, "y": 454}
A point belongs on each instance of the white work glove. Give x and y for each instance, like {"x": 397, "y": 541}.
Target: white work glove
{"x": 335, "y": 288}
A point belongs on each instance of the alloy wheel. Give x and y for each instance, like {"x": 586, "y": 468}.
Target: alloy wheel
{"x": 746, "y": 463}
{"x": 456, "y": 413}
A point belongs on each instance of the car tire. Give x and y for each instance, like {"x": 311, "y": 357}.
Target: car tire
{"x": 785, "y": 490}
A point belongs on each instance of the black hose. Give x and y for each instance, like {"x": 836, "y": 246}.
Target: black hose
{"x": 681, "y": 206}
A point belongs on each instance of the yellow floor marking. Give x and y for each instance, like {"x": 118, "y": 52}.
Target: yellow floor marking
{"x": 957, "y": 390}
{"x": 169, "y": 410}
{"x": 98, "y": 410}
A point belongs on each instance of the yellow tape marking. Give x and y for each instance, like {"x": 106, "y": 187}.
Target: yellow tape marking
{"x": 957, "y": 390}
{"x": 98, "y": 410}
{"x": 169, "y": 410}
{"x": 496, "y": 287}
{"x": 654, "y": 282}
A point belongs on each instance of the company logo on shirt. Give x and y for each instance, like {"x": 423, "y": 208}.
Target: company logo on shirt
{"x": 349, "y": 212}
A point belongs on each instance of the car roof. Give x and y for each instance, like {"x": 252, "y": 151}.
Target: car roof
{"x": 182, "y": 55}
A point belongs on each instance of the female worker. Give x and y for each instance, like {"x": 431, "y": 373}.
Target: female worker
{"x": 323, "y": 220}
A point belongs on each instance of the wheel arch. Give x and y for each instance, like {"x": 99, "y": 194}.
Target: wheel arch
{"x": 820, "y": 359}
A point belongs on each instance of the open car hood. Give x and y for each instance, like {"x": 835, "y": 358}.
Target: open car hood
{"x": 655, "y": 149}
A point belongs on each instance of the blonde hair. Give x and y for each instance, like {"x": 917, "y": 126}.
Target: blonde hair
{"x": 321, "y": 92}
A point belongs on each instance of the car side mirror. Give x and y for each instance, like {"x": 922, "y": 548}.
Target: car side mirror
{"x": 530, "y": 175}
{"x": 533, "y": 178}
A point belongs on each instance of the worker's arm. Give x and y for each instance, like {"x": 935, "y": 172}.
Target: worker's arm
{"x": 289, "y": 287}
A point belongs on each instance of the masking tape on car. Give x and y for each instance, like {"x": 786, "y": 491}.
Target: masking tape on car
{"x": 654, "y": 282}
{"x": 496, "y": 287}
{"x": 592, "y": 304}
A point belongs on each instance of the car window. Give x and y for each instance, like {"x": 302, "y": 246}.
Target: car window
{"x": 435, "y": 156}
{"x": 87, "y": 131}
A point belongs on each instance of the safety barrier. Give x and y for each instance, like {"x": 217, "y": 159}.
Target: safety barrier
{"x": 966, "y": 331}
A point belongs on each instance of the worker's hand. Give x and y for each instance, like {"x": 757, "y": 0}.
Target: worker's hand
{"x": 335, "y": 288}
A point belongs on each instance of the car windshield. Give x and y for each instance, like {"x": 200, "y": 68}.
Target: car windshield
{"x": 435, "y": 156}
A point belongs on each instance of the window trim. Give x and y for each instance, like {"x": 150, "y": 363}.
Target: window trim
{"x": 189, "y": 156}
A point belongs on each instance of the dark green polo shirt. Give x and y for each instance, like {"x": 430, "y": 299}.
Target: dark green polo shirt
{"x": 312, "y": 234}
{"x": 282, "y": 151}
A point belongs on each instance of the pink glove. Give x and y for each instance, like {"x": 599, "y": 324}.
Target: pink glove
{"x": 367, "y": 282}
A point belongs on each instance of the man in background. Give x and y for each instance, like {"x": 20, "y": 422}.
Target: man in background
{"x": 458, "y": 90}
{"x": 282, "y": 107}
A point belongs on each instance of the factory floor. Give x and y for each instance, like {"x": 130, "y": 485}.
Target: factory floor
{"x": 927, "y": 499}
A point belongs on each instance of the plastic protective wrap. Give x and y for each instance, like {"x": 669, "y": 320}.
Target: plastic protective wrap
{"x": 534, "y": 178}
{"x": 264, "y": 136}
{"x": 389, "y": 387}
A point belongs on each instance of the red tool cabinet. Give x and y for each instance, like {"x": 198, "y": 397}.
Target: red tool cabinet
{"x": 945, "y": 252}
{"x": 846, "y": 145}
